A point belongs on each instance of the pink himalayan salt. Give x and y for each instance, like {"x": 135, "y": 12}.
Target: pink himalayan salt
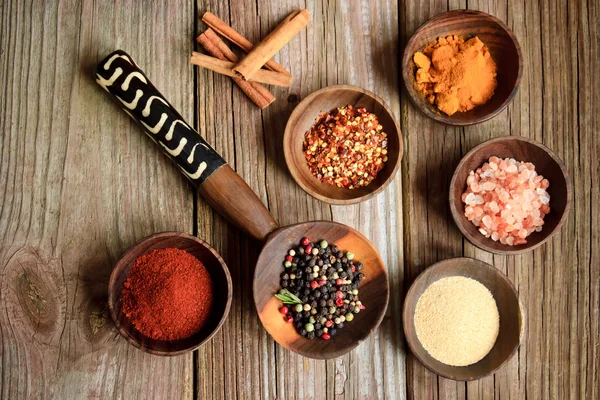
{"x": 507, "y": 200}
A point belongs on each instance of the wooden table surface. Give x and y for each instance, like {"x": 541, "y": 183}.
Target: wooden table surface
{"x": 79, "y": 183}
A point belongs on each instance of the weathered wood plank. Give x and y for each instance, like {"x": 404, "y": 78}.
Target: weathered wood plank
{"x": 558, "y": 292}
{"x": 338, "y": 46}
{"x": 80, "y": 183}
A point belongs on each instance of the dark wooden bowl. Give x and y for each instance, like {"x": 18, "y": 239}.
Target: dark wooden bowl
{"x": 222, "y": 292}
{"x": 509, "y": 308}
{"x": 373, "y": 291}
{"x": 521, "y": 149}
{"x": 303, "y": 118}
{"x": 499, "y": 39}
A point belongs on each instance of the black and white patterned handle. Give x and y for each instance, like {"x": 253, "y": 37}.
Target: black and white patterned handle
{"x": 121, "y": 77}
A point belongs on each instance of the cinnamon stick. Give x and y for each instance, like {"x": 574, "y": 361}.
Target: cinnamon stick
{"x": 255, "y": 91}
{"x": 226, "y": 68}
{"x": 266, "y": 49}
{"x": 234, "y": 37}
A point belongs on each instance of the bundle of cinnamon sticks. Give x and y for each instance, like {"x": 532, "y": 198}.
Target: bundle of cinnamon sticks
{"x": 248, "y": 72}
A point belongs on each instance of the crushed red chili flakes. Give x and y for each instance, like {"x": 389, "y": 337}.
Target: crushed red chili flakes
{"x": 346, "y": 147}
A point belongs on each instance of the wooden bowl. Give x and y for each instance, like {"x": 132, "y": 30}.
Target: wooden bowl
{"x": 521, "y": 149}
{"x": 499, "y": 39}
{"x": 303, "y": 118}
{"x": 509, "y": 308}
{"x": 222, "y": 292}
{"x": 373, "y": 291}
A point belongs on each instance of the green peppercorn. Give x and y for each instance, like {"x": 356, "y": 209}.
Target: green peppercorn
{"x": 309, "y": 327}
{"x": 355, "y": 291}
{"x": 298, "y": 307}
{"x": 332, "y": 310}
{"x": 349, "y": 255}
{"x": 323, "y": 244}
{"x": 349, "y": 317}
{"x": 356, "y": 310}
{"x": 311, "y": 320}
{"x": 287, "y": 264}
{"x": 335, "y": 275}
{"x": 306, "y": 307}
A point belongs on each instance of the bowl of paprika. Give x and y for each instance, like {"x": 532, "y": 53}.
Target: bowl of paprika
{"x": 169, "y": 293}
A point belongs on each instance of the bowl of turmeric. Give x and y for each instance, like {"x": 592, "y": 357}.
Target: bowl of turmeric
{"x": 462, "y": 67}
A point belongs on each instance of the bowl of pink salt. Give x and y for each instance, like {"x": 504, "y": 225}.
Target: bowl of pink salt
{"x": 510, "y": 195}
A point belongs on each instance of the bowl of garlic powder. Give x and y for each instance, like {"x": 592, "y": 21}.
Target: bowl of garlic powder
{"x": 463, "y": 319}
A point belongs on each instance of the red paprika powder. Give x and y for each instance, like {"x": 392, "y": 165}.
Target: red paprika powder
{"x": 168, "y": 294}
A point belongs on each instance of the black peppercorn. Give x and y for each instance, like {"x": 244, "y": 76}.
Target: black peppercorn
{"x": 339, "y": 254}
{"x": 323, "y": 303}
{"x": 317, "y": 326}
{"x": 344, "y": 260}
{"x": 332, "y": 331}
{"x": 361, "y": 276}
{"x": 340, "y": 325}
{"x": 334, "y": 248}
{"x": 311, "y": 335}
{"x": 303, "y": 332}
{"x": 313, "y": 304}
{"x": 284, "y": 284}
{"x": 320, "y": 263}
{"x": 358, "y": 266}
{"x": 343, "y": 275}
{"x": 330, "y": 303}
{"x": 319, "y": 332}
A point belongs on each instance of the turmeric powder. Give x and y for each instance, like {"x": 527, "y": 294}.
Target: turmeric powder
{"x": 456, "y": 75}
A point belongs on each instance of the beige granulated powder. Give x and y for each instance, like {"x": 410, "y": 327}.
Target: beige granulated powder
{"x": 457, "y": 320}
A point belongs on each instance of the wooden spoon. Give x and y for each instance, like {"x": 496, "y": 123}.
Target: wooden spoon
{"x": 229, "y": 195}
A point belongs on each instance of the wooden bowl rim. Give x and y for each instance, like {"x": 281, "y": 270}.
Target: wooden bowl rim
{"x": 377, "y": 321}
{"x": 456, "y": 215}
{"x": 406, "y": 319}
{"x": 414, "y": 96}
{"x": 112, "y": 297}
{"x": 287, "y": 137}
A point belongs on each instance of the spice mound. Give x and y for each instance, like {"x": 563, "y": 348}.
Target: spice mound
{"x": 320, "y": 288}
{"x": 456, "y": 75}
{"x": 457, "y": 320}
{"x": 507, "y": 200}
{"x": 346, "y": 147}
{"x": 168, "y": 294}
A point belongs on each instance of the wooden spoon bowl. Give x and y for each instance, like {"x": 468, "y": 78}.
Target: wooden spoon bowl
{"x": 509, "y": 308}
{"x": 221, "y": 301}
{"x": 373, "y": 291}
{"x": 303, "y": 118}
{"x": 499, "y": 39}
{"x": 521, "y": 149}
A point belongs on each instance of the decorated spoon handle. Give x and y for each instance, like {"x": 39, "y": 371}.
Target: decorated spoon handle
{"x": 224, "y": 190}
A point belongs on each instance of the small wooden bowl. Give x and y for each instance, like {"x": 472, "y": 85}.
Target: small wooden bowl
{"x": 499, "y": 39}
{"x": 303, "y": 118}
{"x": 509, "y": 308}
{"x": 222, "y": 292}
{"x": 521, "y": 149}
{"x": 373, "y": 290}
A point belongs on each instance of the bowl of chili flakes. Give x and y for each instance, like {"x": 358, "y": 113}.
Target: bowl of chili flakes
{"x": 342, "y": 144}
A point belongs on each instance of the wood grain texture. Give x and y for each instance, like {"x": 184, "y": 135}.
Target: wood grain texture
{"x": 559, "y": 291}
{"x": 79, "y": 183}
